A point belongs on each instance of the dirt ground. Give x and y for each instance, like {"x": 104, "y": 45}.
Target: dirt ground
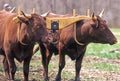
{"x": 87, "y": 74}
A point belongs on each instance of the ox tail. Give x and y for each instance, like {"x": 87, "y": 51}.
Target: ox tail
{"x": 36, "y": 48}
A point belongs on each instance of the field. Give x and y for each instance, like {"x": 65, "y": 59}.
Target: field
{"x": 99, "y": 64}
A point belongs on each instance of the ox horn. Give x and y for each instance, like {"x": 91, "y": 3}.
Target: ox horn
{"x": 26, "y": 15}
{"x": 101, "y": 13}
{"x": 45, "y": 14}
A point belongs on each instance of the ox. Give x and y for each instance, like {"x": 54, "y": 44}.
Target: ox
{"x": 94, "y": 30}
{"x": 17, "y": 40}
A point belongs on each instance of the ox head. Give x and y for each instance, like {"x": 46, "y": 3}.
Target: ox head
{"x": 96, "y": 30}
{"x": 34, "y": 26}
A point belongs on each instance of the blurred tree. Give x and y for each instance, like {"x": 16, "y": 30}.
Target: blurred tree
{"x": 111, "y": 7}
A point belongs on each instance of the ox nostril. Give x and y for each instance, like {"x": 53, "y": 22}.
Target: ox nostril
{"x": 113, "y": 42}
{"x": 116, "y": 41}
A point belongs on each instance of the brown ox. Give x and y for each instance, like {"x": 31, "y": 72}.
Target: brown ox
{"x": 17, "y": 40}
{"x": 88, "y": 31}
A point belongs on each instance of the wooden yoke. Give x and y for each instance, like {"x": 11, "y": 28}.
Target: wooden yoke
{"x": 66, "y": 21}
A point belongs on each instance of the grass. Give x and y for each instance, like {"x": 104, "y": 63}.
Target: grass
{"x": 102, "y": 66}
{"x": 102, "y": 51}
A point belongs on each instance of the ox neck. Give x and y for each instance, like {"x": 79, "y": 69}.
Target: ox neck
{"x": 23, "y": 39}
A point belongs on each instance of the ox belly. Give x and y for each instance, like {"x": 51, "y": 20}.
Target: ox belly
{"x": 21, "y": 53}
{"x": 20, "y": 56}
{"x": 72, "y": 53}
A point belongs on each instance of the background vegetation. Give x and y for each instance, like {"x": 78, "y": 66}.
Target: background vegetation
{"x": 111, "y": 7}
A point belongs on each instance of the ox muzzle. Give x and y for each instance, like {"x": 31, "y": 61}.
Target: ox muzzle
{"x": 53, "y": 37}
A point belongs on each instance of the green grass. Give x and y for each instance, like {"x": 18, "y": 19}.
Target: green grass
{"x": 102, "y": 51}
{"x": 102, "y": 66}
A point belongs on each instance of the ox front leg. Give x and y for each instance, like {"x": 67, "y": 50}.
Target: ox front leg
{"x": 26, "y": 67}
{"x": 6, "y": 68}
{"x": 45, "y": 66}
{"x": 11, "y": 64}
{"x": 61, "y": 66}
{"x": 78, "y": 67}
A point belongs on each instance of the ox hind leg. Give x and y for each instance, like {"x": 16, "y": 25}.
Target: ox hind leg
{"x": 45, "y": 63}
{"x": 12, "y": 66}
{"x": 61, "y": 66}
{"x": 26, "y": 67}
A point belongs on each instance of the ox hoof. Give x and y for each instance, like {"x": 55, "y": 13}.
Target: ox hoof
{"x": 58, "y": 79}
{"x": 9, "y": 79}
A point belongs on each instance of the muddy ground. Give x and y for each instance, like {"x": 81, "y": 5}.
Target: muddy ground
{"x": 87, "y": 73}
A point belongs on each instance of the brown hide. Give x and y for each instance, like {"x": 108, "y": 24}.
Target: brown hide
{"x": 11, "y": 46}
{"x": 2, "y": 28}
{"x": 94, "y": 30}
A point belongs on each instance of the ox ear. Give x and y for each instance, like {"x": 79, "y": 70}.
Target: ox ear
{"x": 23, "y": 20}
{"x": 94, "y": 17}
{"x": 28, "y": 16}
{"x": 95, "y": 20}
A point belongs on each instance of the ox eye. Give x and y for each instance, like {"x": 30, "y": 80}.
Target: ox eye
{"x": 104, "y": 21}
